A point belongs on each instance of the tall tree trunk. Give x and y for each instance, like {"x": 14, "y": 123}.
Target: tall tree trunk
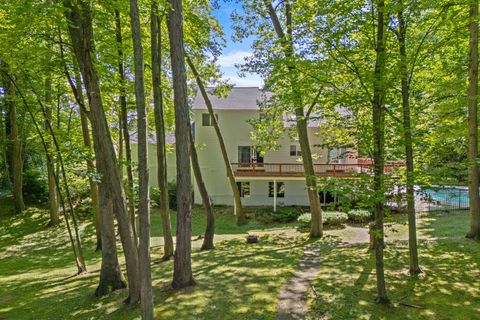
{"x": 207, "y": 204}
{"x": 61, "y": 170}
{"x": 120, "y": 144}
{"x": 473, "y": 176}
{"x": 182, "y": 265}
{"x": 16, "y": 143}
{"x": 241, "y": 219}
{"x": 75, "y": 242}
{"x": 124, "y": 123}
{"x": 316, "y": 228}
{"x": 143, "y": 189}
{"x": 111, "y": 277}
{"x": 80, "y": 27}
{"x": 4, "y": 145}
{"x": 156, "y": 48}
{"x": 90, "y": 165}
{"x": 378, "y": 152}
{"x": 407, "y": 134}
{"x": 52, "y": 187}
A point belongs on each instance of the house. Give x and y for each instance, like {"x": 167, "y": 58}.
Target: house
{"x": 273, "y": 179}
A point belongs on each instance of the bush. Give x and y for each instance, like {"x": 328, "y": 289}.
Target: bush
{"x": 328, "y": 218}
{"x": 359, "y": 215}
{"x": 35, "y": 187}
{"x": 280, "y": 216}
{"x": 334, "y": 217}
{"x": 304, "y": 220}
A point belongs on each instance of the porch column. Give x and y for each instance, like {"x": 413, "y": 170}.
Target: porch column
{"x": 274, "y": 195}
{"x": 234, "y": 207}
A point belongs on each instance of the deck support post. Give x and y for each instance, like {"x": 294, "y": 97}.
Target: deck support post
{"x": 274, "y": 195}
{"x": 234, "y": 207}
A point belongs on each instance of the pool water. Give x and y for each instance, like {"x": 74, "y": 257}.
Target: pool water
{"x": 449, "y": 196}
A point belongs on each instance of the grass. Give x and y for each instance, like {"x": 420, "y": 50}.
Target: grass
{"x": 235, "y": 281}
{"x": 241, "y": 281}
{"x": 449, "y": 288}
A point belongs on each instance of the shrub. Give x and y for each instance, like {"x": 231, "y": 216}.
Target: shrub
{"x": 280, "y": 216}
{"x": 328, "y": 218}
{"x": 334, "y": 217}
{"x": 35, "y": 187}
{"x": 155, "y": 196}
{"x": 304, "y": 220}
{"x": 359, "y": 215}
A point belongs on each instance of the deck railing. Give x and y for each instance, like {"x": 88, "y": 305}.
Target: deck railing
{"x": 296, "y": 169}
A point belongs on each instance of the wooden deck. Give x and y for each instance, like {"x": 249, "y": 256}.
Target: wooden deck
{"x": 296, "y": 169}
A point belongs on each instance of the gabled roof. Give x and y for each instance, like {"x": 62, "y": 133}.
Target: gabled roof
{"x": 239, "y": 98}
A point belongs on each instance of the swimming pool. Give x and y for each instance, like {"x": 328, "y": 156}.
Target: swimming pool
{"x": 442, "y": 198}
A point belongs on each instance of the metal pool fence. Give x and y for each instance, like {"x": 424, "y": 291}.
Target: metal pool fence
{"x": 441, "y": 198}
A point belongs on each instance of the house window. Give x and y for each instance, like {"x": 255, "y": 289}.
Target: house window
{"x": 336, "y": 154}
{"x": 244, "y": 189}
{"x": 280, "y": 189}
{"x": 295, "y": 150}
{"x": 207, "y": 120}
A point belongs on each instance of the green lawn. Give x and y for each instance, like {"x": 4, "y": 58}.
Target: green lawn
{"x": 235, "y": 281}
{"x": 448, "y": 289}
{"x": 240, "y": 281}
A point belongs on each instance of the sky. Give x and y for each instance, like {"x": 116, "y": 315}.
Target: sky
{"x": 234, "y": 52}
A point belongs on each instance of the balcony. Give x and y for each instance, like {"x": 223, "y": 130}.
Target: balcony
{"x": 296, "y": 169}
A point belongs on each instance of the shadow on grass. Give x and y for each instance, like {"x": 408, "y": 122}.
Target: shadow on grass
{"x": 225, "y": 223}
{"x": 235, "y": 281}
{"x": 449, "y": 288}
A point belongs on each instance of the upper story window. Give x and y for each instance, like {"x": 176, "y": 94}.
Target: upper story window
{"x": 207, "y": 121}
{"x": 295, "y": 151}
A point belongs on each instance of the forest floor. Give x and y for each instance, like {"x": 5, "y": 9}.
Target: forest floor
{"x": 242, "y": 281}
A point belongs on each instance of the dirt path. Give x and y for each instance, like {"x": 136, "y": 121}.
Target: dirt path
{"x": 292, "y": 299}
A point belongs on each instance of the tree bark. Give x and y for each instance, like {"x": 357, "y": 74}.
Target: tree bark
{"x": 80, "y": 27}
{"x": 16, "y": 143}
{"x": 316, "y": 228}
{"x": 52, "y": 187}
{"x": 156, "y": 50}
{"x": 182, "y": 266}
{"x": 143, "y": 189}
{"x": 124, "y": 124}
{"x": 111, "y": 277}
{"x": 473, "y": 176}
{"x": 241, "y": 219}
{"x": 75, "y": 242}
{"x": 90, "y": 166}
{"x": 378, "y": 152}
{"x": 207, "y": 204}
{"x": 407, "y": 134}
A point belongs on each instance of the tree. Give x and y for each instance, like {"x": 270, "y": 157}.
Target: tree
{"x": 52, "y": 188}
{"x": 143, "y": 190}
{"x": 378, "y": 120}
{"x": 473, "y": 177}
{"x": 207, "y": 204}
{"x": 16, "y": 149}
{"x": 231, "y": 178}
{"x": 124, "y": 123}
{"x": 158, "y": 109}
{"x": 407, "y": 133}
{"x": 286, "y": 40}
{"x": 182, "y": 267}
{"x": 90, "y": 165}
{"x": 78, "y": 15}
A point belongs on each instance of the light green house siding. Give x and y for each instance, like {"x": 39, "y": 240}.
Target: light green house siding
{"x": 233, "y": 119}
